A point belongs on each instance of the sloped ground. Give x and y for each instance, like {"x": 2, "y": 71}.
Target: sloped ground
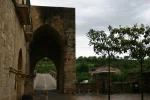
{"x": 44, "y": 82}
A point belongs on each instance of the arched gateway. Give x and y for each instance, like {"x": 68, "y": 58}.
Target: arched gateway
{"x": 48, "y": 43}
{"x": 53, "y": 37}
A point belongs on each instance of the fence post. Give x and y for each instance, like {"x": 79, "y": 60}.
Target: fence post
{"x": 46, "y": 94}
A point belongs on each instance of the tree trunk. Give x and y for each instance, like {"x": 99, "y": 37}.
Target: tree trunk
{"x": 141, "y": 62}
{"x": 109, "y": 77}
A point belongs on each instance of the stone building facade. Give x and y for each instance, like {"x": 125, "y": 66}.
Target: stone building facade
{"x": 24, "y": 30}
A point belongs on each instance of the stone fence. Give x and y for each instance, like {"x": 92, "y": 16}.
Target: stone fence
{"x": 53, "y": 74}
{"x": 87, "y": 88}
{"x": 116, "y": 87}
{"x": 121, "y": 87}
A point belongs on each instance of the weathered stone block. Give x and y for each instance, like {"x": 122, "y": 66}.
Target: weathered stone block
{"x": 1, "y": 92}
{"x": 2, "y": 41}
{"x": 6, "y": 91}
{"x": 2, "y": 82}
{"x": 4, "y": 36}
{"x": 2, "y": 73}
{"x": 9, "y": 82}
{"x": 13, "y": 97}
{"x": 1, "y": 24}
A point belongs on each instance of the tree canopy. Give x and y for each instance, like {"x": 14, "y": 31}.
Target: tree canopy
{"x": 133, "y": 40}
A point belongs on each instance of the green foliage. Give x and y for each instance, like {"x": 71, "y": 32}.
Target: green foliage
{"x": 82, "y": 76}
{"x": 125, "y": 65}
{"x": 102, "y": 43}
{"x": 120, "y": 77}
{"x": 135, "y": 40}
{"x": 82, "y": 72}
{"x": 45, "y": 65}
{"x": 82, "y": 67}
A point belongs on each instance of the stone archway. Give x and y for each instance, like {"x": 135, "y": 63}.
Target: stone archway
{"x": 53, "y": 37}
{"x": 48, "y": 43}
{"x": 19, "y": 78}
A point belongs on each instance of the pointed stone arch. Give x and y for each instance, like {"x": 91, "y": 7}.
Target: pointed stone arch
{"x": 47, "y": 42}
{"x": 20, "y": 59}
{"x": 19, "y": 78}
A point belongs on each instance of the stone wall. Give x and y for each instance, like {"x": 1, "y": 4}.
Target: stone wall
{"x": 135, "y": 77}
{"x": 121, "y": 87}
{"x": 115, "y": 87}
{"x": 13, "y": 44}
{"x": 12, "y": 40}
{"x": 36, "y": 19}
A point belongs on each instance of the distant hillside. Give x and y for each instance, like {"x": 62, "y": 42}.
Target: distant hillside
{"x": 126, "y": 65}
{"x": 84, "y": 64}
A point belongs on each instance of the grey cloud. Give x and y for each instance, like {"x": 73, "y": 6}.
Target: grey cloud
{"x": 98, "y": 14}
{"x": 114, "y": 13}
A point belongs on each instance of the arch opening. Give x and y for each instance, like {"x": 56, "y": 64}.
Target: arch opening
{"x": 47, "y": 73}
{"x": 48, "y": 43}
{"x": 19, "y": 79}
{"x": 20, "y": 61}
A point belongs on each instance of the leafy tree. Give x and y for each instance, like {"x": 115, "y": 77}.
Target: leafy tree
{"x": 102, "y": 44}
{"x": 134, "y": 40}
{"x": 82, "y": 67}
{"x": 82, "y": 71}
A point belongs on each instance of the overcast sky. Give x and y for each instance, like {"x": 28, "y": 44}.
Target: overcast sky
{"x": 98, "y": 14}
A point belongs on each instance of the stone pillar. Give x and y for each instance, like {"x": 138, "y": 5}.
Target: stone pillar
{"x": 27, "y": 70}
{"x": 58, "y": 80}
{"x": 70, "y": 66}
{"x": 69, "y": 75}
{"x": 61, "y": 73}
{"x": 29, "y": 86}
